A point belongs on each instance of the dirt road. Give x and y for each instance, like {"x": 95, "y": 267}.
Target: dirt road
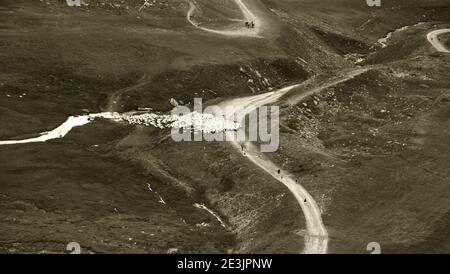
{"x": 239, "y": 31}
{"x": 433, "y": 38}
{"x": 64, "y": 128}
{"x": 316, "y": 237}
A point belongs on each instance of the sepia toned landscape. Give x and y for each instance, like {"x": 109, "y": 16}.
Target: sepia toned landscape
{"x": 87, "y": 95}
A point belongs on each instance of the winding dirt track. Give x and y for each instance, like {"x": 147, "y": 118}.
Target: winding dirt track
{"x": 434, "y": 40}
{"x": 316, "y": 236}
{"x": 316, "y": 239}
{"x": 64, "y": 128}
{"x": 239, "y": 31}
{"x": 59, "y": 132}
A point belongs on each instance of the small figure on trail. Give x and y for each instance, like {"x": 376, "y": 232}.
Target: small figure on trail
{"x": 279, "y": 171}
{"x": 304, "y": 201}
{"x": 253, "y": 25}
{"x": 247, "y": 25}
{"x": 243, "y": 149}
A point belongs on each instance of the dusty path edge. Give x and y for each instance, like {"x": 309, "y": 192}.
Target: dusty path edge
{"x": 316, "y": 237}
{"x": 248, "y": 16}
{"x": 434, "y": 40}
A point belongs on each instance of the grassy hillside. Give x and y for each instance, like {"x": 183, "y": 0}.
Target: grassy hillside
{"x": 356, "y": 18}
{"x": 371, "y": 154}
{"x": 58, "y": 61}
{"x": 369, "y": 150}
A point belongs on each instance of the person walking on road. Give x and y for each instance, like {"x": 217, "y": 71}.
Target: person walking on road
{"x": 243, "y": 150}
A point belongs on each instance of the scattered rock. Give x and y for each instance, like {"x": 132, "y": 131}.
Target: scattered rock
{"x": 173, "y": 102}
